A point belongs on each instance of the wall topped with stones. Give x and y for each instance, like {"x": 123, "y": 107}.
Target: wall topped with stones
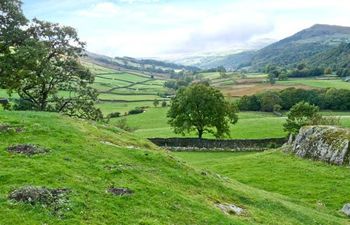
{"x": 195, "y": 144}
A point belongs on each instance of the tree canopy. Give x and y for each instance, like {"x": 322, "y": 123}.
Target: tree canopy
{"x": 201, "y": 108}
{"x": 300, "y": 115}
{"x": 41, "y": 63}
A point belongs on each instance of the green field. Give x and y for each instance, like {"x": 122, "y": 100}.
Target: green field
{"x": 251, "y": 125}
{"x": 123, "y": 91}
{"x": 88, "y": 158}
{"x": 312, "y": 184}
{"x": 317, "y": 83}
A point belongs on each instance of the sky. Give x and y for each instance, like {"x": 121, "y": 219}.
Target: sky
{"x": 178, "y": 28}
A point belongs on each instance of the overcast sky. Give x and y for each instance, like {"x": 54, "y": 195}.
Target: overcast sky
{"x": 163, "y": 28}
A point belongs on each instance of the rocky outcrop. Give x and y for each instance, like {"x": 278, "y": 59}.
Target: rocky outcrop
{"x": 325, "y": 143}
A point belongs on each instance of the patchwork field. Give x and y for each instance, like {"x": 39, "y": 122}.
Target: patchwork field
{"x": 122, "y": 91}
{"x": 248, "y": 84}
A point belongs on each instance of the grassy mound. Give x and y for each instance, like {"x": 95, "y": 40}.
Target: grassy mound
{"x": 88, "y": 159}
{"x": 310, "y": 183}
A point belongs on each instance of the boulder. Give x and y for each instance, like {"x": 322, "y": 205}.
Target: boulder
{"x": 325, "y": 143}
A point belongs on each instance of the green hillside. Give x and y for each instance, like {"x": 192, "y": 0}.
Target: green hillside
{"x": 313, "y": 184}
{"x": 88, "y": 158}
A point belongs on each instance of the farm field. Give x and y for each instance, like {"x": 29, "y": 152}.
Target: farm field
{"x": 122, "y": 91}
{"x": 253, "y": 83}
{"x": 317, "y": 83}
{"x": 313, "y": 184}
{"x": 251, "y": 125}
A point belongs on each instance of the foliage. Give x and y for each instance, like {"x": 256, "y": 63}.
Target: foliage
{"x": 123, "y": 124}
{"x": 43, "y": 67}
{"x": 202, "y": 108}
{"x": 156, "y": 102}
{"x": 11, "y": 34}
{"x": 331, "y": 98}
{"x": 268, "y": 100}
{"x": 306, "y": 72}
{"x": 136, "y": 111}
{"x": 300, "y": 115}
{"x": 177, "y": 84}
{"x": 114, "y": 115}
{"x": 164, "y": 104}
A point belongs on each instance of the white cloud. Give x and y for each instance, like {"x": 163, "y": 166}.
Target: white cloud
{"x": 100, "y": 10}
{"x": 144, "y": 28}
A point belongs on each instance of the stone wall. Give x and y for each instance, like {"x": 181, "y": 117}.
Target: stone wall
{"x": 195, "y": 144}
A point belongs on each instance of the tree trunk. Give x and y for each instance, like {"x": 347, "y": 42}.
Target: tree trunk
{"x": 200, "y": 134}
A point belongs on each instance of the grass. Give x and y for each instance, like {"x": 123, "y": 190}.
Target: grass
{"x": 88, "y": 158}
{"x": 153, "y": 123}
{"x": 117, "y": 97}
{"x": 313, "y": 184}
{"x": 339, "y": 84}
{"x": 251, "y": 125}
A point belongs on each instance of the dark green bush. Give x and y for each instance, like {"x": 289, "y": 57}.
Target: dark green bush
{"x": 136, "y": 111}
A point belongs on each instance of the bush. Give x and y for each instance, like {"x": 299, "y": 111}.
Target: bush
{"x": 24, "y": 105}
{"x": 123, "y": 124}
{"x": 113, "y": 115}
{"x": 164, "y": 104}
{"x": 136, "y": 111}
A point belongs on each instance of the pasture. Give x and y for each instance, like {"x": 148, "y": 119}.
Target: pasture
{"x": 251, "y": 125}
{"x": 238, "y": 85}
{"x": 313, "y": 184}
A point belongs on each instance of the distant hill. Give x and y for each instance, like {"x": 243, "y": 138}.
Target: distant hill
{"x": 230, "y": 61}
{"x": 302, "y": 46}
{"x": 319, "y": 45}
{"x": 336, "y": 58}
{"x": 141, "y": 65}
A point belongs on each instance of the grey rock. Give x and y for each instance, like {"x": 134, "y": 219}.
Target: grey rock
{"x": 346, "y": 209}
{"x": 230, "y": 209}
{"x": 325, "y": 143}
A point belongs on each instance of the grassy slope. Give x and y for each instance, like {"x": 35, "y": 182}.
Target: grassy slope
{"x": 313, "y": 184}
{"x": 253, "y": 125}
{"x": 166, "y": 190}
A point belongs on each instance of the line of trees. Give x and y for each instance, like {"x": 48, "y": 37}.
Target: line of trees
{"x": 39, "y": 61}
{"x": 331, "y": 99}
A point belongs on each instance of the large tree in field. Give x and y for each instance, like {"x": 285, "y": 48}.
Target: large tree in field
{"x": 45, "y": 71}
{"x": 201, "y": 108}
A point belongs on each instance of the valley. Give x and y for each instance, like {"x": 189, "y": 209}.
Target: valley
{"x": 174, "y": 113}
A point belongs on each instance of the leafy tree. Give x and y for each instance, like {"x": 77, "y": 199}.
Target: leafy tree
{"x": 202, "y": 108}
{"x": 268, "y": 100}
{"x": 11, "y": 34}
{"x": 249, "y": 103}
{"x": 273, "y": 73}
{"x": 46, "y": 71}
{"x": 155, "y": 102}
{"x": 300, "y": 115}
{"x": 328, "y": 71}
{"x": 164, "y": 104}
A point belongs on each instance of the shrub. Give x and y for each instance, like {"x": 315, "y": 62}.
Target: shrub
{"x": 24, "y": 105}
{"x": 164, "y": 104}
{"x": 113, "y": 115}
{"x": 123, "y": 124}
{"x": 136, "y": 111}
